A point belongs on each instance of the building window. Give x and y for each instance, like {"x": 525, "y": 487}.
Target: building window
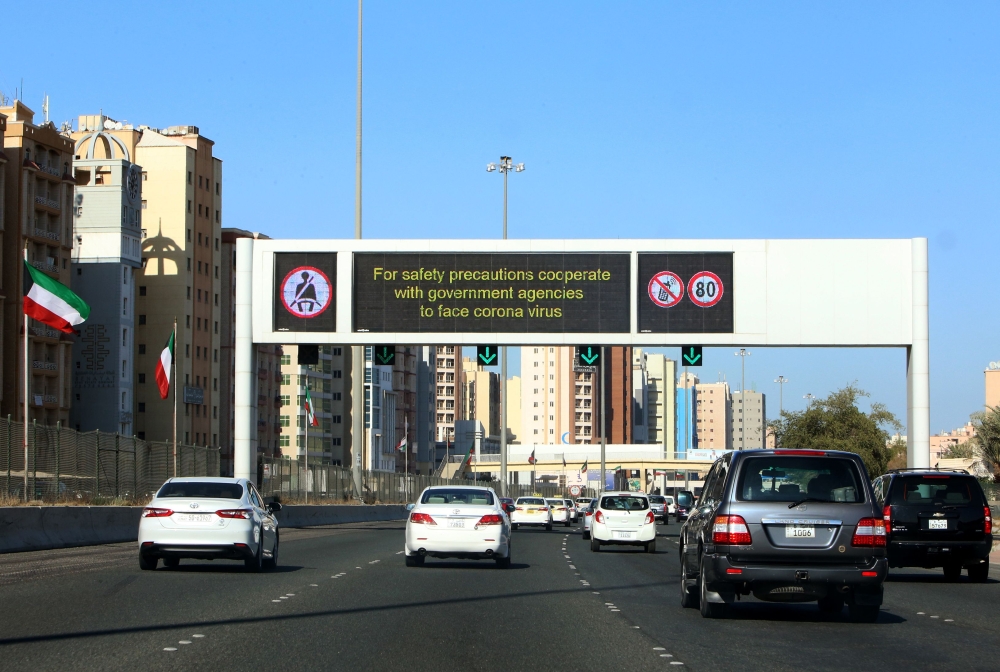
{"x": 187, "y": 351}
{"x": 189, "y": 205}
{"x": 216, "y": 299}
{"x": 142, "y": 348}
{"x": 189, "y": 289}
{"x": 286, "y": 379}
{"x": 286, "y": 360}
{"x": 283, "y": 440}
{"x": 337, "y": 352}
{"x": 142, "y": 378}
{"x": 187, "y": 321}
{"x": 337, "y": 373}
{"x": 142, "y": 290}
{"x": 336, "y": 396}
{"x": 142, "y": 407}
{"x": 142, "y": 319}
{"x": 189, "y": 177}
{"x": 283, "y": 420}
{"x": 335, "y": 419}
{"x": 286, "y": 399}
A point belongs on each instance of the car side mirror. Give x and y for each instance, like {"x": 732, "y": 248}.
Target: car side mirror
{"x": 274, "y": 507}
{"x": 409, "y": 507}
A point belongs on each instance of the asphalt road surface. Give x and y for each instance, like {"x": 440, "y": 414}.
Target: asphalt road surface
{"x": 342, "y": 599}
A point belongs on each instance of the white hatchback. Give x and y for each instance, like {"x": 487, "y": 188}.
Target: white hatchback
{"x": 623, "y": 518}
{"x": 560, "y": 511}
{"x": 457, "y": 521}
{"x": 207, "y": 519}
{"x": 531, "y": 511}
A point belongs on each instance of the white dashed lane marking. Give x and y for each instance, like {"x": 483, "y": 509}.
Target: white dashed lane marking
{"x": 170, "y": 648}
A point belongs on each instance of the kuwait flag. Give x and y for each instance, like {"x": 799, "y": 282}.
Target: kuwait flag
{"x": 163, "y": 368}
{"x": 468, "y": 455}
{"x": 584, "y": 469}
{"x": 531, "y": 458}
{"x": 401, "y": 446}
{"x": 310, "y": 411}
{"x": 52, "y": 302}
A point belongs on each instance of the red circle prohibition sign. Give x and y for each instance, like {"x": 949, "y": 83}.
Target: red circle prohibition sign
{"x": 306, "y": 292}
{"x": 705, "y": 289}
{"x": 666, "y": 289}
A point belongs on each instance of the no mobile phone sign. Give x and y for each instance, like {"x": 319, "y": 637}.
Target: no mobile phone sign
{"x": 666, "y": 289}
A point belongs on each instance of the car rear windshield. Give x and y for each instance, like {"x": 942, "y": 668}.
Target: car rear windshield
{"x": 792, "y": 479}
{"x": 935, "y": 490}
{"x": 458, "y": 496}
{"x": 655, "y": 499}
{"x": 555, "y": 502}
{"x": 584, "y": 500}
{"x": 624, "y": 503}
{"x": 201, "y": 490}
{"x": 531, "y": 501}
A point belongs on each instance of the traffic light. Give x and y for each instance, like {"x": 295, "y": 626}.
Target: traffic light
{"x": 691, "y": 355}
{"x": 384, "y": 355}
{"x": 588, "y": 355}
{"x": 486, "y": 355}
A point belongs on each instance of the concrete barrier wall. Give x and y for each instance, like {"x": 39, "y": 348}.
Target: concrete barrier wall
{"x": 36, "y": 528}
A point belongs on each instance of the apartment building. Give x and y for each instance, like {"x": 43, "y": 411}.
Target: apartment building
{"x": 424, "y": 432}
{"x": 992, "y": 380}
{"x": 481, "y": 397}
{"x": 180, "y": 280}
{"x": 713, "y": 416}
{"x": 513, "y": 391}
{"x": 548, "y": 395}
{"x": 640, "y": 393}
{"x": 687, "y": 402}
{"x": 586, "y": 404}
{"x": 404, "y": 384}
{"x": 748, "y": 420}
{"x": 107, "y": 260}
{"x": 3, "y": 191}
{"x": 380, "y": 417}
{"x": 618, "y": 401}
{"x": 661, "y": 403}
{"x": 945, "y": 441}
{"x": 329, "y": 384}
{"x": 37, "y": 211}
{"x": 448, "y": 400}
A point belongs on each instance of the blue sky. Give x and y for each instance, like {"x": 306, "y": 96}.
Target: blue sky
{"x": 644, "y": 119}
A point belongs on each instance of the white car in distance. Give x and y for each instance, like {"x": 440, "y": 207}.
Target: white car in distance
{"x": 623, "y": 518}
{"x": 457, "y": 521}
{"x": 531, "y": 511}
{"x": 208, "y": 519}
{"x": 574, "y": 513}
{"x": 587, "y": 517}
{"x": 560, "y": 511}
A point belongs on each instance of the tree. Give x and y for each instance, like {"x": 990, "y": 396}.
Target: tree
{"x": 962, "y": 451}
{"x": 987, "y": 440}
{"x": 836, "y": 423}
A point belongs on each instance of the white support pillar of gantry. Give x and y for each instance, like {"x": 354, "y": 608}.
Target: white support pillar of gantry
{"x": 245, "y": 442}
{"x": 918, "y": 365}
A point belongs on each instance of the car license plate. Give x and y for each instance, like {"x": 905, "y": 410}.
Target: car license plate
{"x": 937, "y": 524}
{"x": 198, "y": 517}
{"x": 800, "y": 532}
{"x": 456, "y": 523}
{"x": 532, "y": 510}
{"x": 623, "y": 535}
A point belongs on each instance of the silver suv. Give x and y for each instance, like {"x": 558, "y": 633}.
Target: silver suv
{"x": 785, "y": 526}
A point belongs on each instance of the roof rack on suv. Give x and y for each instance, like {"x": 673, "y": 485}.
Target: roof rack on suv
{"x": 899, "y": 471}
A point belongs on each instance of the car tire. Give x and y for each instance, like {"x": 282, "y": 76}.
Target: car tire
{"x": 688, "y": 599}
{"x": 504, "y": 563}
{"x": 586, "y": 535}
{"x": 831, "y": 604}
{"x": 864, "y": 613}
{"x": 548, "y": 527}
{"x": 171, "y": 562}
{"x": 567, "y": 523}
{"x": 414, "y": 561}
{"x": 952, "y": 572}
{"x": 256, "y": 563}
{"x": 651, "y": 546}
{"x": 595, "y": 545}
{"x": 513, "y": 526}
{"x": 708, "y": 609}
{"x": 147, "y": 563}
{"x": 979, "y": 573}
{"x": 272, "y": 562}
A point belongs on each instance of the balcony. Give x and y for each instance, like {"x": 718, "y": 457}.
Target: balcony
{"x": 47, "y": 266}
{"x": 45, "y": 332}
{"x": 43, "y": 366}
{"x": 125, "y": 418}
{"x": 262, "y": 374}
{"x": 42, "y": 233}
{"x": 261, "y": 399}
{"x": 47, "y": 202}
{"x": 54, "y": 172}
{"x": 277, "y": 402}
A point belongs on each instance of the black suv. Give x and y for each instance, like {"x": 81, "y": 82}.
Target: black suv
{"x": 785, "y": 526}
{"x": 936, "y": 518}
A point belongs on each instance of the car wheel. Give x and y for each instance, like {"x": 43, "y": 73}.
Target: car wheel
{"x": 256, "y": 563}
{"x": 586, "y": 535}
{"x": 272, "y": 562}
{"x": 831, "y": 604}
{"x": 864, "y": 613}
{"x": 595, "y": 545}
{"x": 548, "y": 527}
{"x": 504, "y": 563}
{"x": 567, "y": 523}
{"x": 171, "y": 562}
{"x": 979, "y": 573}
{"x": 513, "y": 526}
{"x": 651, "y": 546}
{"x": 952, "y": 572}
{"x": 688, "y": 599}
{"x": 708, "y": 609}
{"x": 414, "y": 560}
{"x": 147, "y": 563}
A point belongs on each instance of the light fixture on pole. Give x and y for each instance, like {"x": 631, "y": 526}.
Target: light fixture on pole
{"x": 781, "y": 380}
{"x": 809, "y": 396}
{"x": 743, "y": 354}
{"x": 505, "y": 166}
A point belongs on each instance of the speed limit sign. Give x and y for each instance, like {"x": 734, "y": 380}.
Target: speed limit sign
{"x": 574, "y": 490}
{"x": 705, "y": 289}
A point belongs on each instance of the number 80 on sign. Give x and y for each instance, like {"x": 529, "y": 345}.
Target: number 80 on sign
{"x": 705, "y": 289}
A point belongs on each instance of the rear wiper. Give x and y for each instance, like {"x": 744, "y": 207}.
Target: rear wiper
{"x": 806, "y": 499}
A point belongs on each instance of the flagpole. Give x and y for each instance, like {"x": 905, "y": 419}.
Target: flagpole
{"x": 173, "y": 365}
{"x": 25, "y": 432}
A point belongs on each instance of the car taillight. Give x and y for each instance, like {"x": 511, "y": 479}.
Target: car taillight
{"x": 422, "y": 519}
{"x": 588, "y": 513}
{"x": 887, "y": 517}
{"x": 152, "y": 512}
{"x": 519, "y": 508}
{"x": 489, "y": 519}
{"x": 650, "y": 518}
{"x": 988, "y": 524}
{"x": 544, "y": 508}
{"x": 869, "y": 532}
{"x": 730, "y": 530}
{"x": 598, "y": 517}
{"x": 246, "y": 514}
{"x": 817, "y": 453}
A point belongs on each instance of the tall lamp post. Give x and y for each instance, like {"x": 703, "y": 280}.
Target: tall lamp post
{"x": 780, "y": 380}
{"x": 743, "y": 354}
{"x": 505, "y": 166}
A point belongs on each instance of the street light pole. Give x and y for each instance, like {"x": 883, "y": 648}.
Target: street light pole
{"x": 743, "y": 354}
{"x": 505, "y": 166}
{"x": 780, "y": 380}
{"x": 357, "y": 351}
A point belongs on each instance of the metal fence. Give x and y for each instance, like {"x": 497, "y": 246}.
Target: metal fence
{"x": 65, "y": 464}
{"x": 287, "y": 479}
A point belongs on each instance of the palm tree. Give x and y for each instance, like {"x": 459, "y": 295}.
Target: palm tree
{"x": 987, "y": 440}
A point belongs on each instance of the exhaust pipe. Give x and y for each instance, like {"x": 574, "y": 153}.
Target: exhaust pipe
{"x": 422, "y": 552}
{"x": 489, "y": 553}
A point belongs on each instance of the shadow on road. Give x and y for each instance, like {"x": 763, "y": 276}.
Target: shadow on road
{"x": 489, "y": 565}
{"x": 223, "y": 567}
{"x": 902, "y": 576}
{"x": 800, "y": 613}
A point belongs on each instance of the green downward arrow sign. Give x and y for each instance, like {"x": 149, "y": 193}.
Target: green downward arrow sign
{"x": 591, "y": 356}
{"x": 486, "y": 357}
{"x": 692, "y": 356}
{"x": 385, "y": 355}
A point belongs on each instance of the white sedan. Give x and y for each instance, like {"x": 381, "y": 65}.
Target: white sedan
{"x": 623, "y": 518}
{"x": 531, "y": 511}
{"x": 207, "y": 519}
{"x": 560, "y": 511}
{"x": 457, "y": 521}
{"x": 587, "y": 517}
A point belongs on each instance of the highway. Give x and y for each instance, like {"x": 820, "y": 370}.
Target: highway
{"x": 342, "y": 599}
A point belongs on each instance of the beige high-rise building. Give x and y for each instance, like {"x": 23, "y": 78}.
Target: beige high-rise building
{"x": 992, "y": 377}
{"x": 661, "y": 391}
{"x": 329, "y": 386}
{"x": 448, "y": 397}
{"x": 748, "y": 416}
{"x": 181, "y": 279}
{"x": 713, "y": 416}
{"x": 548, "y": 395}
{"x": 481, "y": 396}
{"x": 513, "y": 391}
{"x": 37, "y": 210}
